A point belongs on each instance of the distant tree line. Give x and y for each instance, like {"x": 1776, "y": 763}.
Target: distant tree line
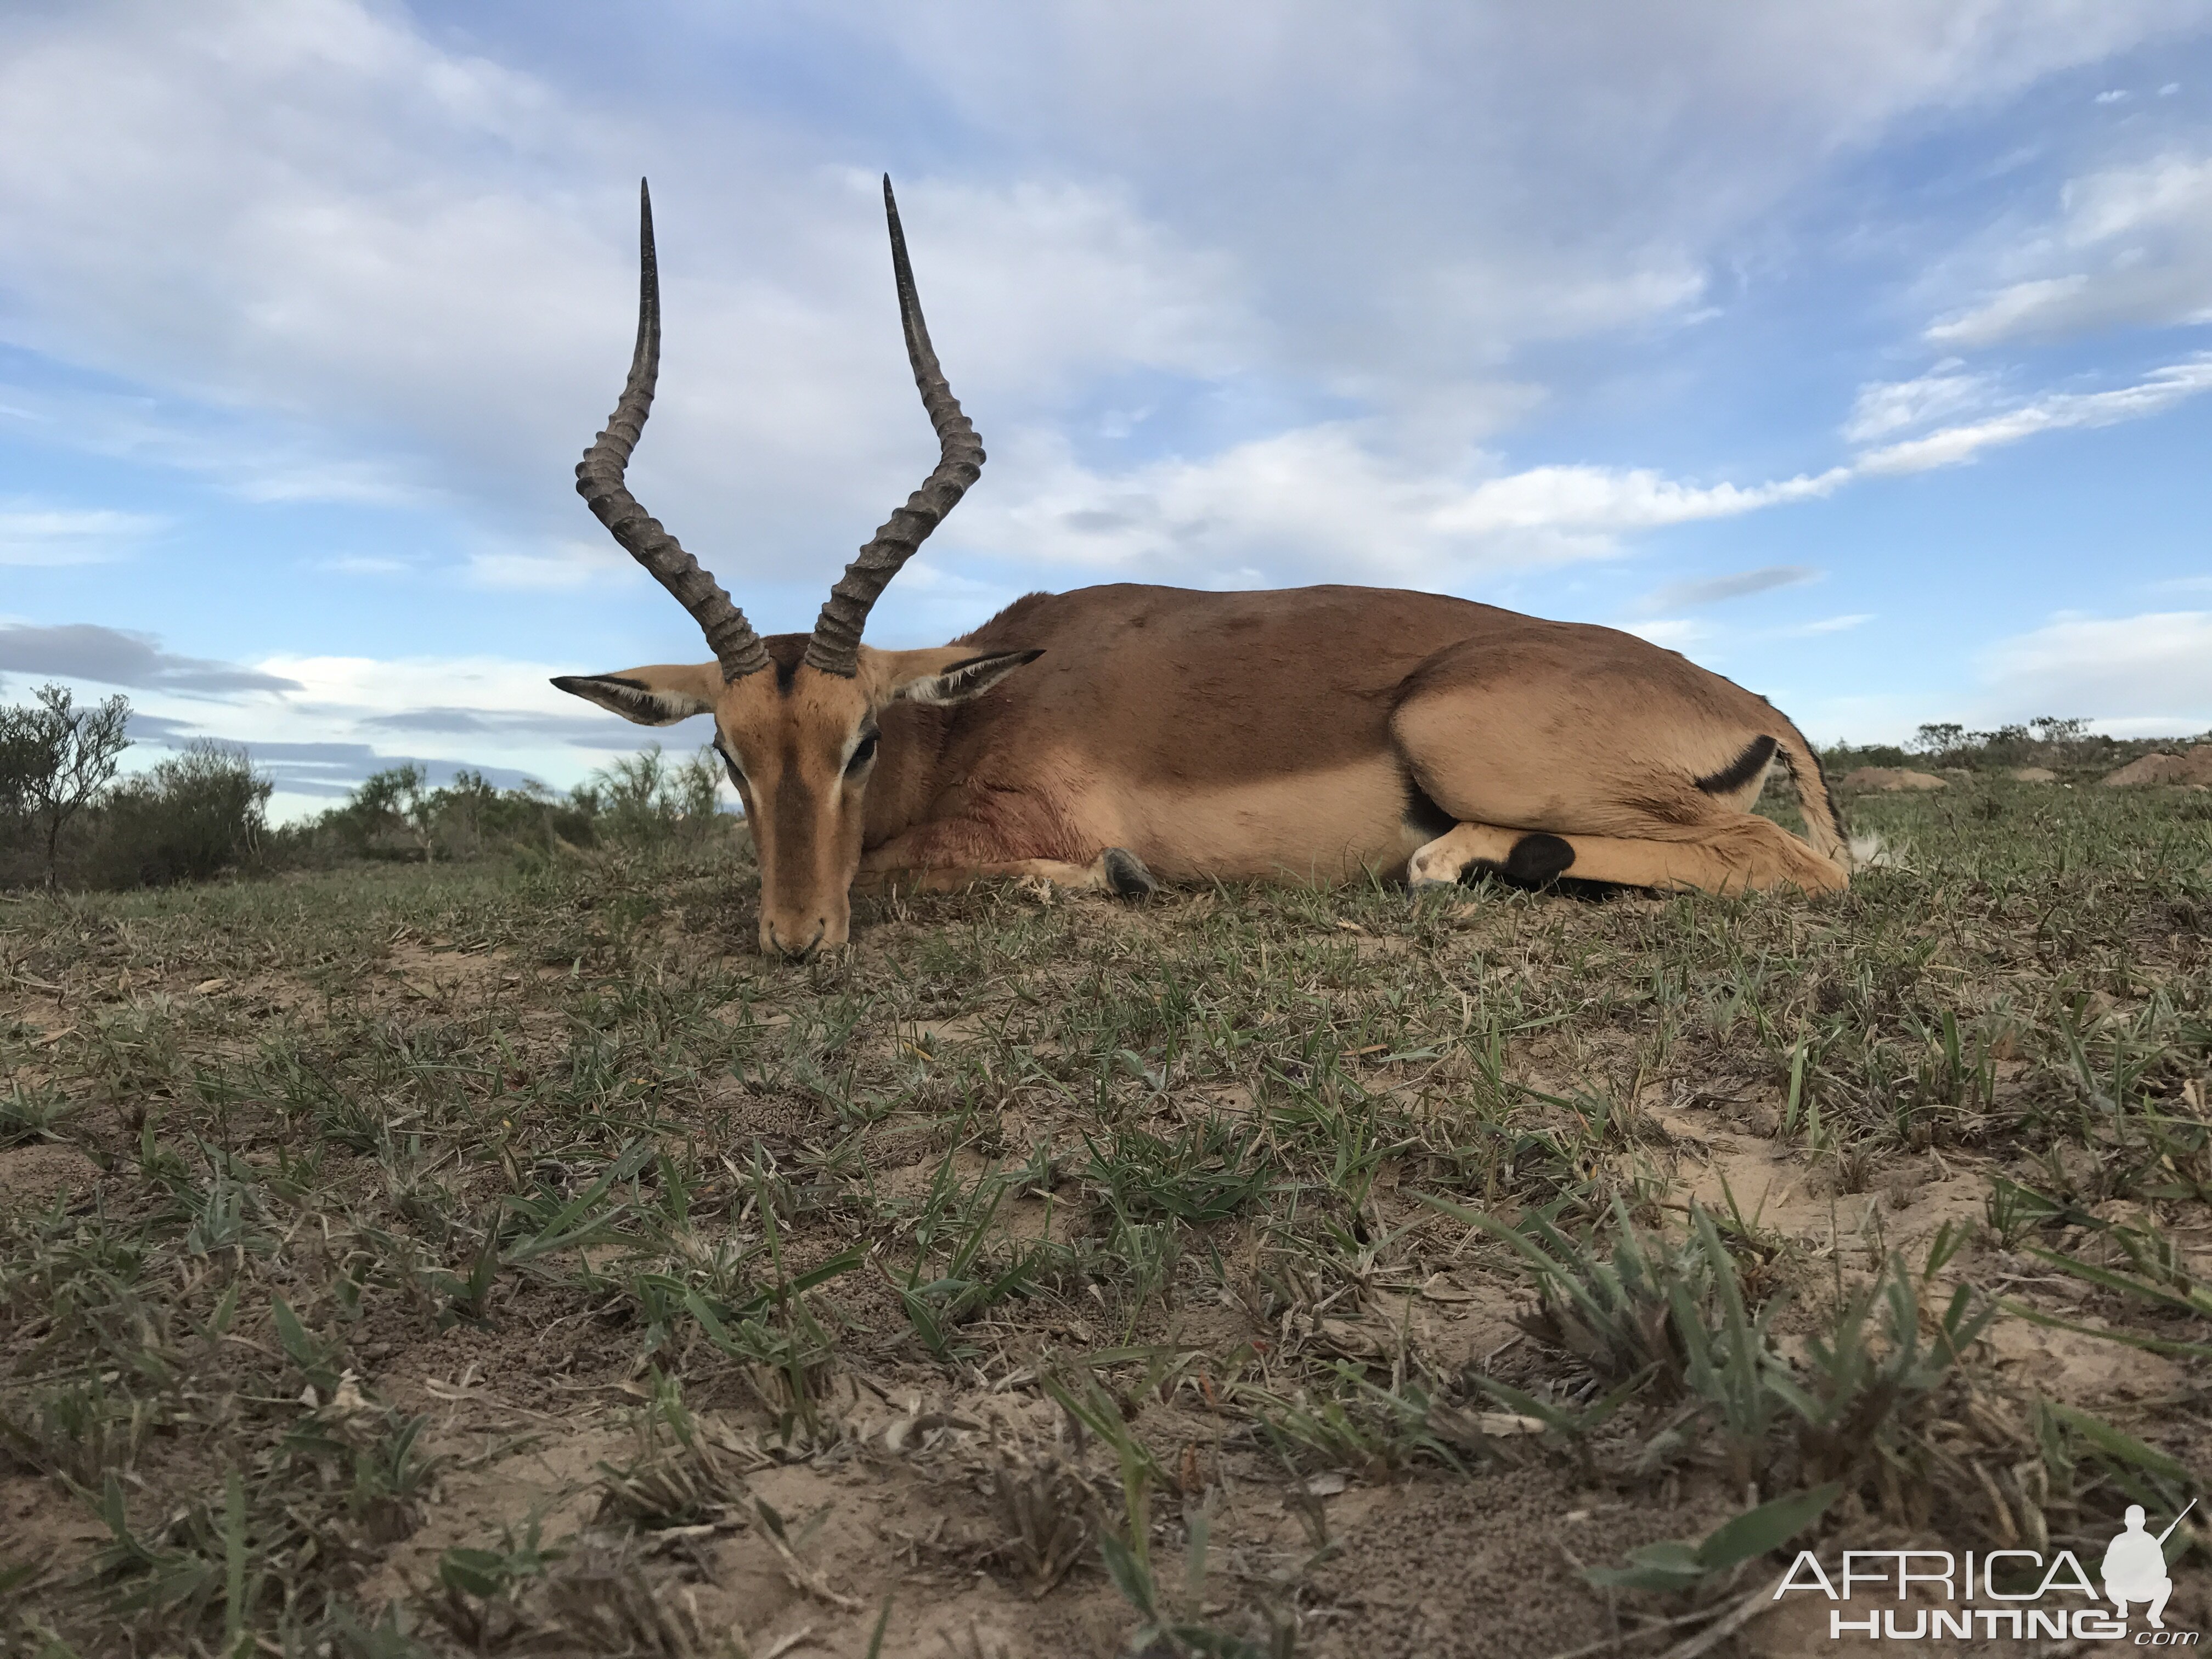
{"x": 2063, "y": 745}
{"x": 68, "y": 820}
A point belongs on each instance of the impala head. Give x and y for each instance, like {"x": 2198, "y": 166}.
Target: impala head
{"x": 795, "y": 718}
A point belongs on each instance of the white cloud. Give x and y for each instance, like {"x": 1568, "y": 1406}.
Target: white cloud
{"x": 559, "y": 568}
{"x": 109, "y": 656}
{"x": 1831, "y": 624}
{"x": 1326, "y": 498}
{"x": 256, "y": 455}
{"x": 1884, "y": 408}
{"x": 321, "y": 723}
{"x": 1681, "y": 633}
{"x": 1953, "y": 445}
{"x": 334, "y": 256}
{"x": 2131, "y": 246}
{"x": 1329, "y": 498}
{"x": 1580, "y": 173}
{"x": 359, "y": 687}
{"x": 33, "y": 535}
{"x": 332, "y": 226}
{"x": 366, "y": 564}
{"x": 2153, "y": 670}
{"x": 334, "y": 252}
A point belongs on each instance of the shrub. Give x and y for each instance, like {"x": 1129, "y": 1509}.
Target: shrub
{"x": 187, "y": 819}
{"x": 643, "y": 800}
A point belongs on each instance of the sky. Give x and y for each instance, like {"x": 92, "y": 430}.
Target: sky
{"x": 1859, "y": 353}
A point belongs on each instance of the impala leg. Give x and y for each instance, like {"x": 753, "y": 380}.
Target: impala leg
{"x": 1735, "y": 854}
{"x": 1445, "y": 862}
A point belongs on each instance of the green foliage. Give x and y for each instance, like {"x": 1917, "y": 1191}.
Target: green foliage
{"x": 478, "y": 1588}
{"x": 55, "y": 758}
{"x": 1209, "y": 1171}
{"x": 1641, "y": 1309}
{"x": 186, "y": 819}
{"x": 32, "y": 1112}
{"x": 2046, "y": 741}
{"x": 639, "y": 802}
{"x": 1868, "y": 1375}
{"x": 1677, "y": 1313}
{"x": 643, "y": 800}
{"x": 2062, "y": 745}
{"x": 674, "y": 1476}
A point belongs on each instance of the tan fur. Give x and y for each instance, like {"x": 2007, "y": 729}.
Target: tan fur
{"x": 1277, "y": 734}
{"x": 953, "y": 878}
{"x": 1322, "y": 826}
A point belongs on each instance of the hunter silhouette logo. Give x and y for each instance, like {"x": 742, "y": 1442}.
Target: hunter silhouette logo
{"x": 2134, "y": 1567}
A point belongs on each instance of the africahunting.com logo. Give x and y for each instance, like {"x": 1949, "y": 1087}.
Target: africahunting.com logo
{"x": 2064, "y": 1603}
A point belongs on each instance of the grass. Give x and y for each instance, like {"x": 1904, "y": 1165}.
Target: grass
{"x": 328, "y": 1203}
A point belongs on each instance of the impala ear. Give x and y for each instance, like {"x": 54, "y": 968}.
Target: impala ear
{"x": 957, "y": 680}
{"x": 651, "y": 696}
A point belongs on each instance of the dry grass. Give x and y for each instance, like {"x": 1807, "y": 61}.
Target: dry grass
{"x": 459, "y": 1260}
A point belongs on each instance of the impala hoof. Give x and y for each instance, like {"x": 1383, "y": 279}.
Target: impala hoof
{"x": 1126, "y": 875}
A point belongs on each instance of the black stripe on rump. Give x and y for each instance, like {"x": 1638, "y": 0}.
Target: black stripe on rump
{"x": 1742, "y": 769}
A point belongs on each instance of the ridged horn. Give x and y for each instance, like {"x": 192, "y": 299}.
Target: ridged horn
{"x": 835, "y": 646}
{"x": 599, "y": 482}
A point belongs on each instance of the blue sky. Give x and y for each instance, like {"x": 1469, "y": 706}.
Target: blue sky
{"x": 1860, "y": 353}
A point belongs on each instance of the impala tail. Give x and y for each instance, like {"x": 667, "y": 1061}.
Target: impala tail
{"x": 1823, "y": 825}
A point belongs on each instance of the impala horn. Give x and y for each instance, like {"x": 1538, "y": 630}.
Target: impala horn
{"x": 599, "y": 482}
{"x": 835, "y": 646}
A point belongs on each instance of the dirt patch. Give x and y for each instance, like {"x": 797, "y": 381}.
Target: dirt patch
{"x": 1888, "y": 780}
{"x": 1488, "y": 1568}
{"x": 43, "y": 1527}
{"x": 548, "y": 1476}
{"x": 2071, "y": 1366}
{"x": 431, "y": 972}
{"x": 33, "y": 1178}
{"x": 2194, "y": 767}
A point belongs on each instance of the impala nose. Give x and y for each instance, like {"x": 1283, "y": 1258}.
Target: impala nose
{"x": 800, "y": 951}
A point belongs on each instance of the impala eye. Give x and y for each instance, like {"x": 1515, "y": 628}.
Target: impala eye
{"x": 861, "y": 755}
{"x": 737, "y": 774}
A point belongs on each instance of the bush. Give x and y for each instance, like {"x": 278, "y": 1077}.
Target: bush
{"x": 642, "y": 801}
{"x": 187, "y": 819}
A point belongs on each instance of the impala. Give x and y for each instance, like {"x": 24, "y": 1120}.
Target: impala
{"x": 1122, "y": 736}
